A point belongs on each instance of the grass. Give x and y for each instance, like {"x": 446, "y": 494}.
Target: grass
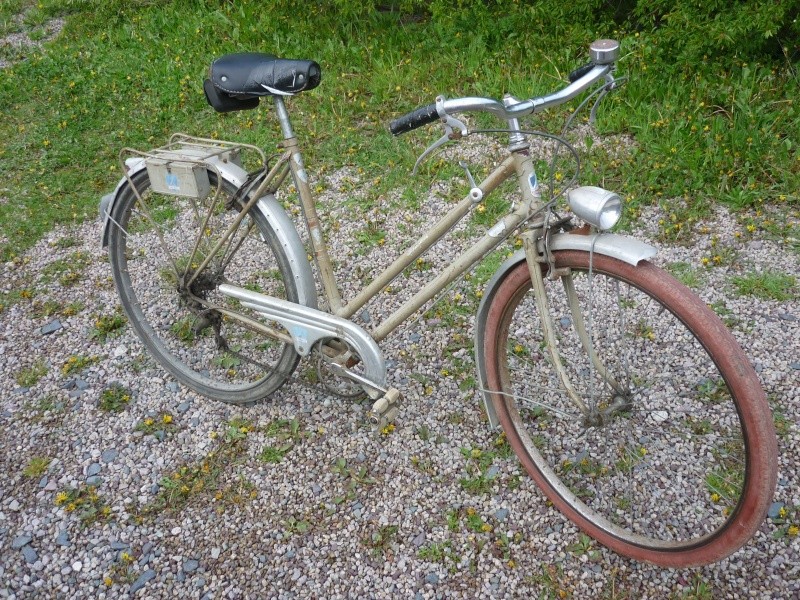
{"x": 767, "y": 285}
{"x": 36, "y": 467}
{"x": 30, "y": 376}
{"x": 208, "y": 478}
{"x": 129, "y": 74}
{"x": 114, "y": 398}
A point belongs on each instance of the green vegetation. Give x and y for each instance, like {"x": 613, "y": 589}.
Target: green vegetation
{"x": 286, "y": 433}
{"x": 709, "y": 102}
{"x": 114, "y": 398}
{"x": 85, "y": 502}
{"x": 36, "y": 467}
{"x": 30, "y": 376}
{"x": 767, "y": 285}
{"x": 209, "y": 477}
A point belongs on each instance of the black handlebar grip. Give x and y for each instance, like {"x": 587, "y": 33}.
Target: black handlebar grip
{"x": 580, "y": 72}
{"x": 418, "y": 118}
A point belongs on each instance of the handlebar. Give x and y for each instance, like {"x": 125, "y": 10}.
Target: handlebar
{"x": 603, "y": 54}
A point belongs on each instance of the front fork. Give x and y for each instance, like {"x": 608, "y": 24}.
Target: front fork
{"x": 592, "y": 415}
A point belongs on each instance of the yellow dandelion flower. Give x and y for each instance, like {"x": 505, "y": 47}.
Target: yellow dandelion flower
{"x": 108, "y": 581}
{"x": 470, "y": 512}
{"x": 148, "y": 421}
{"x": 167, "y": 419}
{"x": 61, "y": 498}
{"x": 715, "y": 497}
{"x": 793, "y": 530}
{"x": 782, "y": 512}
{"x": 486, "y": 527}
{"x": 126, "y": 557}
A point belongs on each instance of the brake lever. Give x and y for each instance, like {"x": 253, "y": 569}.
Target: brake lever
{"x": 611, "y": 85}
{"x": 453, "y": 130}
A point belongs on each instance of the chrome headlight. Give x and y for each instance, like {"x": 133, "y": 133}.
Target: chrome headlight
{"x": 596, "y": 206}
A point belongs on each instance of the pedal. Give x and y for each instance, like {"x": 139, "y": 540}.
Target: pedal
{"x": 385, "y": 409}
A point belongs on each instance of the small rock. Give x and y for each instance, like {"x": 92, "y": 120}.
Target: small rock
{"x": 109, "y": 455}
{"x": 501, "y": 514}
{"x": 51, "y": 486}
{"x": 775, "y": 510}
{"x": 119, "y": 546}
{"x": 43, "y": 482}
{"x": 81, "y": 384}
{"x": 30, "y": 554}
{"x": 51, "y": 327}
{"x": 415, "y": 337}
{"x": 143, "y": 579}
{"x": 94, "y": 469}
{"x": 14, "y": 505}
{"x": 190, "y": 566}
{"x": 419, "y": 540}
{"x": 215, "y": 552}
{"x": 183, "y": 407}
{"x": 77, "y": 566}
{"x": 95, "y": 480}
{"x": 22, "y": 390}
{"x": 315, "y": 489}
{"x": 63, "y": 538}
{"x": 20, "y": 541}
{"x": 175, "y": 530}
{"x": 795, "y": 366}
{"x": 432, "y": 578}
{"x": 173, "y": 386}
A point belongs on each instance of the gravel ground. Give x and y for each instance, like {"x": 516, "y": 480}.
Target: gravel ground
{"x": 345, "y": 513}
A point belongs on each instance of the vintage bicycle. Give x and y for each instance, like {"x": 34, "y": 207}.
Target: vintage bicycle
{"x": 623, "y": 395}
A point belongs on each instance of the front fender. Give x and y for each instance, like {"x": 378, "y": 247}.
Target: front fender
{"x": 623, "y": 248}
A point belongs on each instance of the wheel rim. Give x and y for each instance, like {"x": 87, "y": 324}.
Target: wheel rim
{"x": 668, "y": 499}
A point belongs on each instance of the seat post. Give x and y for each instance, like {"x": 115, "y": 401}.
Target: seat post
{"x": 283, "y": 117}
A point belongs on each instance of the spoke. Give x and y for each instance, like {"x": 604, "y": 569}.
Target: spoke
{"x": 531, "y": 401}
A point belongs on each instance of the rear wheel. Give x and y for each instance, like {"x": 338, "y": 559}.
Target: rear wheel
{"x": 673, "y": 459}
{"x": 158, "y": 245}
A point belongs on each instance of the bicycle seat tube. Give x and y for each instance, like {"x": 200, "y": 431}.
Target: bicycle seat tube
{"x": 321, "y": 255}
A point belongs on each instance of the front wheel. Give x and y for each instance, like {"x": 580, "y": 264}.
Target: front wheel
{"x": 168, "y": 256}
{"x": 672, "y": 458}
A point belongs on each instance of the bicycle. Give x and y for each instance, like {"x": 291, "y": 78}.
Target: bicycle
{"x": 623, "y": 395}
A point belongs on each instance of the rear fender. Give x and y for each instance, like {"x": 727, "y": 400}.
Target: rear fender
{"x": 276, "y": 218}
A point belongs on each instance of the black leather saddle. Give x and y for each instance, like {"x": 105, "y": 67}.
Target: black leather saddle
{"x": 237, "y": 81}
